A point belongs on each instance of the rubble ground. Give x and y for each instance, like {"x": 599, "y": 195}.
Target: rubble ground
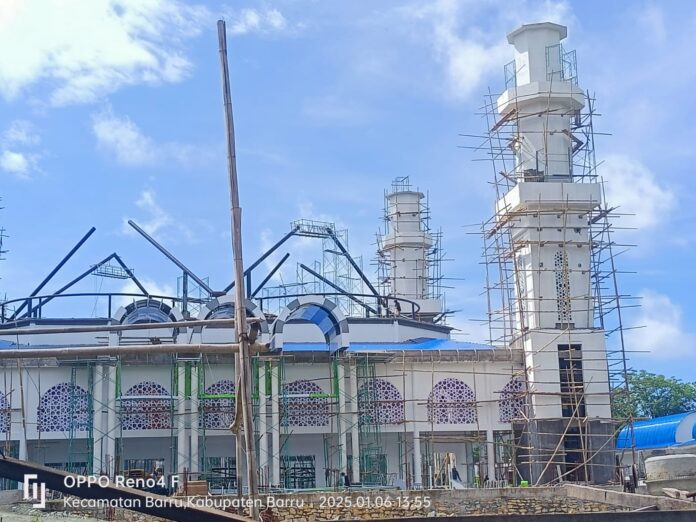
{"x": 25, "y": 513}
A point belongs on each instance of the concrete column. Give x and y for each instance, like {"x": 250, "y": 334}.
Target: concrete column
{"x": 410, "y": 396}
{"x": 263, "y": 436}
{"x": 195, "y": 459}
{"x": 18, "y": 425}
{"x": 275, "y": 425}
{"x": 490, "y": 451}
{"x": 22, "y": 446}
{"x": 98, "y": 421}
{"x": 417, "y": 475}
{"x": 182, "y": 452}
{"x": 342, "y": 439}
{"x": 23, "y": 414}
{"x": 354, "y": 423}
{"x": 112, "y": 427}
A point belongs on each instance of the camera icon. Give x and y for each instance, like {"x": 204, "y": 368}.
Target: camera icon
{"x": 34, "y": 490}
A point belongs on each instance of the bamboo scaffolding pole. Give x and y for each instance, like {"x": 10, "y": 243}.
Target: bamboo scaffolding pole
{"x": 104, "y": 350}
{"x": 120, "y": 327}
{"x": 240, "y": 333}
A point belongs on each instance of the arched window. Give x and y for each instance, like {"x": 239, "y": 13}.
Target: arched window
{"x": 63, "y": 407}
{"x": 218, "y": 405}
{"x": 142, "y": 409}
{"x": 148, "y": 311}
{"x": 302, "y": 404}
{"x": 452, "y": 402}
{"x": 512, "y": 400}
{"x": 380, "y": 402}
{"x": 323, "y": 313}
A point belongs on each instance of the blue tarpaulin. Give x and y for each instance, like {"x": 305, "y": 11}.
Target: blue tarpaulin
{"x": 659, "y": 432}
{"x": 416, "y": 344}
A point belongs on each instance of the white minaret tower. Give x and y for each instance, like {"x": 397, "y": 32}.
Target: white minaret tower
{"x": 543, "y": 98}
{"x": 406, "y": 245}
{"x": 548, "y": 215}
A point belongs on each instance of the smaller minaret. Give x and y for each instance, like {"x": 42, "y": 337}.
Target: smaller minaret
{"x": 406, "y": 247}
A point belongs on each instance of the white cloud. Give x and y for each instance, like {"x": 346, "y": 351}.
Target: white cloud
{"x": 465, "y": 59}
{"x": 635, "y": 189}
{"x": 258, "y": 21}
{"x": 129, "y": 287}
{"x": 120, "y": 136}
{"x": 123, "y": 138}
{"x": 157, "y": 222}
{"x": 660, "y": 329}
{"x": 86, "y": 49}
{"x": 20, "y": 132}
{"x": 158, "y": 219}
{"x": 467, "y": 37}
{"x": 16, "y": 156}
{"x": 15, "y": 163}
{"x": 89, "y": 48}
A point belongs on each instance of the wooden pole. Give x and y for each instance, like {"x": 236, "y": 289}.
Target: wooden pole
{"x": 240, "y": 331}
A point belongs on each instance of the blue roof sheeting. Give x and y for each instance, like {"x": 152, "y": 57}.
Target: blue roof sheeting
{"x": 416, "y": 344}
{"x": 659, "y": 432}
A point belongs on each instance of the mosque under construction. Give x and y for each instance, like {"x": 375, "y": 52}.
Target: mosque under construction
{"x": 350, "y": 373}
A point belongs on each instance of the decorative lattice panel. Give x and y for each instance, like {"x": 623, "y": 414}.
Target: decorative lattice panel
{"x": 4, "y": 414}
{"x": 148, "y": 412}
{"x": 511, "y": 405}
{"x": 452, "y": 402}
{"x": 299, "y": 408}
{"x": 63, "y": 407}
{"x": 562, "y": 286}
{"x": 218, "y": 413}
{"x": 380, "y": 402}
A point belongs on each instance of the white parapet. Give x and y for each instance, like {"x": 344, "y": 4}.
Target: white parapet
{"x": 541, "y": 196}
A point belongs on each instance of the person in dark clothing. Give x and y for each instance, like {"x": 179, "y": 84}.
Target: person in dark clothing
{"x": 455, "y": 475}
{"x": 345, "y": 479}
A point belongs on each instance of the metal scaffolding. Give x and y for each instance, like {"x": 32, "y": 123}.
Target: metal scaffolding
{"x": 431, "y": 270}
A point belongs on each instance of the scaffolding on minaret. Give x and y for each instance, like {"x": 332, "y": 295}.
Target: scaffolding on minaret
{"x": 519, "y": 147}
{"x": 409, "y": 252}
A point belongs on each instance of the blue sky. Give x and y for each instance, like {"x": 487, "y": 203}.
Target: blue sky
{"x": 111, "y": 110}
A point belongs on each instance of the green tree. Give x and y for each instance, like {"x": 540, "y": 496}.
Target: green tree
{"x": 654, "y": 395}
